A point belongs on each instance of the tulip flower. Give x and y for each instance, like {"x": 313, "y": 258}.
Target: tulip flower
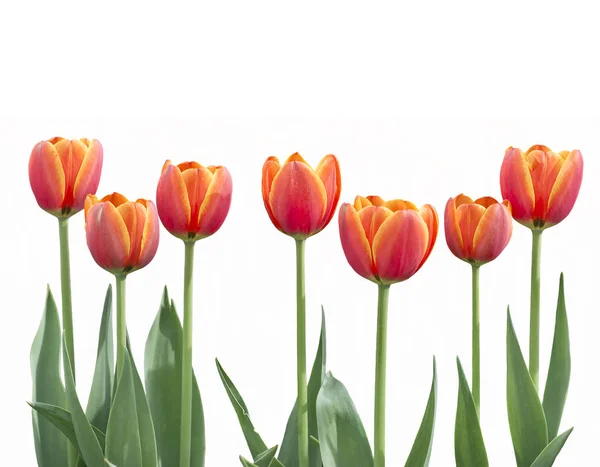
{"x": 122, "y": 237}
{"x": 193, "y": 202}
{"x": 385, "y": 242}
{"x": 542, "y": 187}
{"x": 477, "y": 232}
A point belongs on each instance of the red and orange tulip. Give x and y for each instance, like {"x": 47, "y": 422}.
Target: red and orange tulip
{"x": 192, "y": 200}
{"x": 63, "y": 172}
{"x": 541, "y": 185}
{"x": 387, "y": 241}
{"x": 122, "y": 235}
{"x": 299, "y": 200}
{"x": 477, "y": 231}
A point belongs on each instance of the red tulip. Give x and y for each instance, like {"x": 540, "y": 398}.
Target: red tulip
{"x": 387, "y": 241}
{"x": 122, "y": 235}
{"x": 192, "y": 200}
{"x": 541, "y": 185}
{"x": 62, "y": 173}
{"x": 299, "y": 200}
{"x": 477, "y": 231}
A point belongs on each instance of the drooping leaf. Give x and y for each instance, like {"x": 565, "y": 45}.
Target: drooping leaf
{"x": 288, "y": 454}
{"x": 163, "y": 363}
{"x": 469, "y": 448}
{"x": 549, "y": 454}
{"x": 50, "y": 443}
{"x": 525, "y": 413}
{"x": 98, "y": 407}
{"x": 559, "y": 373}
{"x": 421, "y": 451}
{"x": 342, "y": 435}
{"x": 123, "y": 445}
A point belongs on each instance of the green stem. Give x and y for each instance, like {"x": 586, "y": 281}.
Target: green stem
{"x": 380, "y": 374}
{"x": 67, "y": 308}
{"x": 301, "y": 356}
{"x": 121, "y": 324}
{"x": 534, "y": 316}
{"x": 476, "y": 362}
{"x": 186, "y": 366}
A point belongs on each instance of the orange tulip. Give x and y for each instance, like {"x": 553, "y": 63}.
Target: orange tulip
{"x": 477, "y": 231}
{"x": 387, "y": 241}
{"x": 122, "y": 235}
{"x": 299, "y": 200}
{"x": 192, "y": 200}
{"x": 62, "y": 173}
{"x": 541, "y": 185}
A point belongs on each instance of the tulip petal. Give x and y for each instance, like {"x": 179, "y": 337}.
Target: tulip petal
{"x": 453, "y": 235}
{"x": 462, "y": 199}
{"x": 197, "y": 182}
{"x": 355, "y": 243}
{"x": 216, "y": 203}
{"x": 271, "y": 168}
{"x": 376, "y": 200}
{"x": 399, "y": 205}
{"x": 399, "y": 246}
{"x": 430, "y": 217}
{"x": 486, "y": 201}
{"x": 468, "y": 217}
{"x": 493, "y": 233}
{"x": 298, "y": 199}
{"x": 329, "y": 172}
{"x": 544, "y": 167}
{"x": 47, "y": 177}
{"x": 150, "y": 237}
{"x": 88, "y": 177}
{"x": 107, "y": 237}
{"x": 71, "y": 154}
{"x": 517, "y": 186}
{"x": 134, "y": 216}
{"x": 172, "y": 201}
{"x": 566, "y": 188}
{"x": 361, "y": 202}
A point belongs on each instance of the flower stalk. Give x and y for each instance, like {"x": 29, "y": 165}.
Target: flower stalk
{"x": 534, "y": 317}
{"x": 380, "y": 374}
{"x": 301, "y": 356}
{"x": 476, "y": 359}
{"x": 121, "y": 324}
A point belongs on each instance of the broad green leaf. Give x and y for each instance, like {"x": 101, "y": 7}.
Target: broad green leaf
{"x": 162, "y": 363}
{"x": 469, "y": 448}
{"x": 275, "y": 463}
{"x": 123, "y": 445}
{"x": 98, "y": 407}
{"x": 246, "y": 463}
{"x": 253, "y": 439}
{"x": 264, "y": 459}
{"x": 549, "y": 454}
{"x": 421, "y": 450}
{"x": 50, "y": 443}
{"x": 89, "y": 446}
{"x": 61, "y": 419}
{"x": 525, "y": 413}
{"x": 342, "y": 435}
{"x": 559, "y": 373}
{"x": 288, "y": 454}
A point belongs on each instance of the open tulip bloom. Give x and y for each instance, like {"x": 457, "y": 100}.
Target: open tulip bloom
{"x": 160, "y": 422}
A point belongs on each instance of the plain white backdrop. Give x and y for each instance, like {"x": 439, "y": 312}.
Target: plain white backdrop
{"x": 436, "y": 91}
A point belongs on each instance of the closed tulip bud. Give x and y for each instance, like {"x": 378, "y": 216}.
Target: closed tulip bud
{"x": 477, "y": 231}
{"x": 192, "y": 200}
{"x": 122, "y": 235}
{"x": 299, "y": 200}
{"x": 387, "y": 241}
{"x": 63, "y": 172}
{"x": 541, "y": 185}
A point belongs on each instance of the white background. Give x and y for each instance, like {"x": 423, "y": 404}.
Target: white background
{"x": 156, "y": 82}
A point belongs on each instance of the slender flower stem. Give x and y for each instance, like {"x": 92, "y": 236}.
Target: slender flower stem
{"x": 380, "y": 374}
{"x": 121, "y": 324}
{"x": 186, "y": 366}
{"x": 476, "y": 362}
{"x": 67, "y": 308}
{"x": 534, "y": 316}
{"x": 301, "y": 356}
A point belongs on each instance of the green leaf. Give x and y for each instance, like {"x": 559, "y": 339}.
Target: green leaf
{"x": 469, "y": 448}
{"x": 246, "y": 463}
{"x": 162, "y": 362}
{"x": 342, "y": 435}
{"x": 253, "y": 439}
{"x": 421, "y": 450}
{"x": 288, "y": 454}
{"x": 549, "y": 454}
{"x": 123, "y": 445}
{"x": 98, "y": 407}
{"x": 89, "y": 447}
{"x": 50, "y": 443}
{"x": 264, "y": 459}
{"x": 525, "y": 413}
{"x": 559, "y": 373}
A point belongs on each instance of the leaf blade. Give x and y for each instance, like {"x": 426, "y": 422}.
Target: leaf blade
{"x": 550, "y": 452}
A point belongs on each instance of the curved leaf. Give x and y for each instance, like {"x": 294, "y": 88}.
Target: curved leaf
{"x": 469, "y": 448}
{"x": 421, "y": 451}
{"x": 559, "y": 373}
{"x": 264, "y": 459}
{"x": 525, "y": 413}
{"x": 342, "y": 435}
{"x": 549, "y": 454}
